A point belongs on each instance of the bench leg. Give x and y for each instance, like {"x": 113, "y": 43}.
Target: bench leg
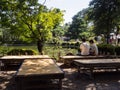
{"x": 117, "y": 69}
{"x": 60, "y": 84}
{"x": 91, "y": 73}
{"x": 78, "y": 68}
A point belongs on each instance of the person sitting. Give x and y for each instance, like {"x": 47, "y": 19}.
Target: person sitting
{"x": 93, "y": 48}
{"x": 84, "y": 47}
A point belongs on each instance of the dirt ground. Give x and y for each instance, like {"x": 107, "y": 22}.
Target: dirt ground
{"x": 102, "y": 81}
{"x": 72, "y": 81}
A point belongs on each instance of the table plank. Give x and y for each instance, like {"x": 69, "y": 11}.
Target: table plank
{"x": 23, "y": 57}
{"x": 98, "y": 61}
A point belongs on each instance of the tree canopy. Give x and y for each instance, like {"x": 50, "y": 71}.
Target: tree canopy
{"x": 30, "y": 20}
{"x": 105, "y": 14}
{"x": 79, "y": 26}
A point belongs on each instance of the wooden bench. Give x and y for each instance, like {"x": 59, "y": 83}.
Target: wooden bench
{"x": 39, "y": 74}
{"x": 14, "y": 62}
{"x": 94, "y": 64}
{"x": 69, "y": 59}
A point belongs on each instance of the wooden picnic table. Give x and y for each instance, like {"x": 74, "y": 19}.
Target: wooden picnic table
{"x": 69, "y": 59}
{"x": 97, "y": 64}
{"x": 16, "y": 60}
{"x": 38, "y": 70}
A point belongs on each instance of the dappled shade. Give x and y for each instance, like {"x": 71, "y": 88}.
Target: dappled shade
{"x": 39, "y": 67}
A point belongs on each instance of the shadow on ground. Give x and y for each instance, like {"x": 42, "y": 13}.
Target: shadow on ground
{"x": 102, "y": 80}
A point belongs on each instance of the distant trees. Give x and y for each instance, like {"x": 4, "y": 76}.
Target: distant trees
{"x": 101, "y": 17}
{"x": 79, "y": 27}
{"x": 58, "y": 33}
{"x": 29, "y": 20}
{"x": 106, "y": 15}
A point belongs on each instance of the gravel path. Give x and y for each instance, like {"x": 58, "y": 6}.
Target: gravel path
{"x": 72, "y": 81}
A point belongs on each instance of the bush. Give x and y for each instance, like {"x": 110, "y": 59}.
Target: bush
{"x": 21, "y": 52}
{"x": 110, "y": 49}
{"x": 117, "y": 50}
{"x": 65, "y": 45}
{"x": 100, "y": 48}
{"x": 106, "y": 48}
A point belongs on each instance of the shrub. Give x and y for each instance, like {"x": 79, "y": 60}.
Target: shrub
{"x": 65, "y": 45}
{"x": 21, "y": 52}
{"x": 106, "y": 48}
{"x": 111, "y": 49}
{"x": 77, "y": 45}
{"x": 117, "y": 50}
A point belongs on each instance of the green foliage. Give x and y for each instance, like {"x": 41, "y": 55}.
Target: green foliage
{"x": 77, "y": 45}
{"x": 117, "y": 50}
{"x": 21, "y": 52}
{"x": 72, "y": 45}
{"x": 106, "y": 49}
{"x": 29, "y": 20}
{"x": 58, "y": 32}
{"x": 110, "y": 49}
{"x": 57, "y": 51}
{"x": 54, "y": 51}
{"x": 105, "y": 14}
{"x": 65, "y": 44}
{"x": 80, "y": 27}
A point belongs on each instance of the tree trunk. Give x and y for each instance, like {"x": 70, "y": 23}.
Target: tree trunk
{"x": 109, "y": 27}
{"x": 118, "y": 29}
{"x": 107, "y": 38}
{"x": 40, "y": 45}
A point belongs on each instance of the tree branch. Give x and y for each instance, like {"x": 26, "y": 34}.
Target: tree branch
{"x": 44, "y": 2}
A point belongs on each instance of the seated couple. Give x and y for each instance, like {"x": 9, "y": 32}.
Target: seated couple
{"x": 88, "y": 49}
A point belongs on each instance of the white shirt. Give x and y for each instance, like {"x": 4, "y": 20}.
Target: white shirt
{"x": 94, "y": 48}
{"x": 84, "y": 47}
{"x": 118, "y": 36}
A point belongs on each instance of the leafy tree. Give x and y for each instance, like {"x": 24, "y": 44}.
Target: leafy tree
{"x": 106, "y": 15}
{"x": 66, "y": 28}
{"x": 79, "y": 26}
{"x": 58, "y": 33}
{"x": 30, "y": 20}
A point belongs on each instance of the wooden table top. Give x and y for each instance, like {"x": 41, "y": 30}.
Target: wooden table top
{"x": 85, "y": 57}
{"x": 98, "y": 61}
{"x": 24, "y": 56}
{"x": 39, "y": 67}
